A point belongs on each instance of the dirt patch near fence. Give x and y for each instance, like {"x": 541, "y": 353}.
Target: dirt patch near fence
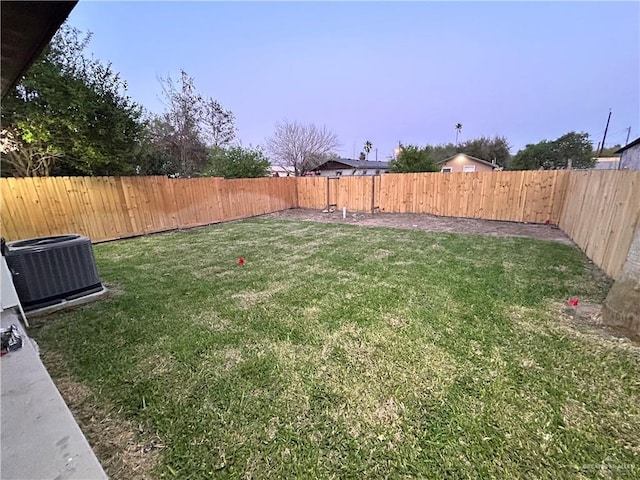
{"x": 430, "y": 223}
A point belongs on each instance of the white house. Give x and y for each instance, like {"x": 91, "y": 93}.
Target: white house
{"x": 607, "y": 163}
{"x": 346, "y": 167}
{"x": 279, "y": 171}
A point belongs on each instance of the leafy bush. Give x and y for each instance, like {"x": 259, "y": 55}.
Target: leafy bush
{"x": 238, "y": 162}
{"x": 413, "y": 159}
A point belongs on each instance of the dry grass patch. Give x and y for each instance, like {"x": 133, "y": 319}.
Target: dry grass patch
{"x": 210, "y": 320}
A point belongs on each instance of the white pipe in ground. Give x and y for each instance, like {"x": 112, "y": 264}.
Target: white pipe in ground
{"x": 344, "y": 212}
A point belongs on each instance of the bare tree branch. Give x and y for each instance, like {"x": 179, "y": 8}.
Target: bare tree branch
{"x": 219, "y": 124}
{"x": 25, "y": 159}
{"x": 302, "y": 147}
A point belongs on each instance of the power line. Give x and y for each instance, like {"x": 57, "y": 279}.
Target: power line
{"x": 618, "y": 132}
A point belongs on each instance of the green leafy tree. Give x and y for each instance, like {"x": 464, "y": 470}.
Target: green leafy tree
{"x": 576, "y": 147}
{"x": 25, "y": 159}
{"x": 489, "y": 149}
{"x": 556, "y": 154}
{"x": 238, "y": 162}
{"x": 70, "y": 115}
{"x": 413, "y": 159}
{"x": 611, "y": 151}
{"x": 535, "y": 156}
{"x": 155, "y": 158}
{"x": 442, "y": 151}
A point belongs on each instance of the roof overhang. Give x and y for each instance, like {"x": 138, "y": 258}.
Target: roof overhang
{"x": 325, "y": 165}
{"x": 27, "y": 27}
{"x": 629, "y": 145}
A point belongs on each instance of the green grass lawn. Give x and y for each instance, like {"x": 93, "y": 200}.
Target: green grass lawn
{"x": 346, "y": 352}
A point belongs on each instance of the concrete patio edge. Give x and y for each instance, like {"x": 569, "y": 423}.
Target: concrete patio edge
{"x": 40, "y": 438}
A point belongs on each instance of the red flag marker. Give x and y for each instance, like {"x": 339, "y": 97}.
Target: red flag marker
{"x": 241, "y": 261}
{"x": 573, "y": 302}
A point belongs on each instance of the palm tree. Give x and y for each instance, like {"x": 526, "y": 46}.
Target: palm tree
{"x": 458, "y": 130}
{"x": 367, "y": 147}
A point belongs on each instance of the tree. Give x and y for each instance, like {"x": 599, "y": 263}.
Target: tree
{"x": 70, "y": 115}
{"x": 219, "y": 124}
{"x": 552, "y": 155}
{"x": 301, "y": 147}
{"x": 178, "y": 131}
{"x": 238, "y": 162}
{"x": 458, "y": 130}
{"x": 488, "y": 149}
{"x": 362, "y": 157}
{"x": 367, "y": 148}
{"x": 156, "y": 157}
{"x": 26, "y": 159}
{"x": 576, "y": 147}
{"x": 179, "y": 137}
{"x": 611, "y": 151}
{"x": 413, "y": 159}
{"x": 442, "y": 151}
{"x": 536, "y": 156}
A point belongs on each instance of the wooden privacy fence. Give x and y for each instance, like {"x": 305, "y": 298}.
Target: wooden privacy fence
{"x": 107, "y": 208}
{"x": 525, "y": 196}
{"x": 355, "y": 193}
{"x": 599, "y": 210}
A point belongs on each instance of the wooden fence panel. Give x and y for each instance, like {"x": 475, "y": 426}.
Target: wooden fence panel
{"x": 312, "y": 192}
{"x": 12, "y": 200}
{"x": 354, "y": 193}
{"x": 601, "y": 212}
{"x": 511, "y": 196}
{"x": 107, "y": 208}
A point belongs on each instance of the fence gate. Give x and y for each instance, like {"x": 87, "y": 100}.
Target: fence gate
{"x": 332, "y": 192}
{"x": 376, "y": 182}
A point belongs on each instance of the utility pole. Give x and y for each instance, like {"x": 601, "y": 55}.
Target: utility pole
{"x": 605, "y": 134}
{"x": 377, "y": 153}
{"x": 628, "y": 133}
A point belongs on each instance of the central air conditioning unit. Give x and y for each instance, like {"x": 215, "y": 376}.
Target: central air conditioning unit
{"x": 51, "y": 270}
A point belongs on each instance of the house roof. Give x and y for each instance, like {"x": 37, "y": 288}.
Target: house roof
{"x": 629, "y": 145}
{"x": 27, "y": 27}
{"x": 359, "y": 164}
{"x": 475, "y": 159}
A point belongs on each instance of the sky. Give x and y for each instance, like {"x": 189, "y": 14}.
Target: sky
{"x": 386, "y": 72}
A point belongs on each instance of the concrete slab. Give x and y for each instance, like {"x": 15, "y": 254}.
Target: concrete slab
{"x": 65, "y": 304}
{"x": 40, "y": 439}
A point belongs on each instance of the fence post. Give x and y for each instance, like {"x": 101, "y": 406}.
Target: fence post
{"x": 373, "y": 193}
{"x": 327, "y": 193}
